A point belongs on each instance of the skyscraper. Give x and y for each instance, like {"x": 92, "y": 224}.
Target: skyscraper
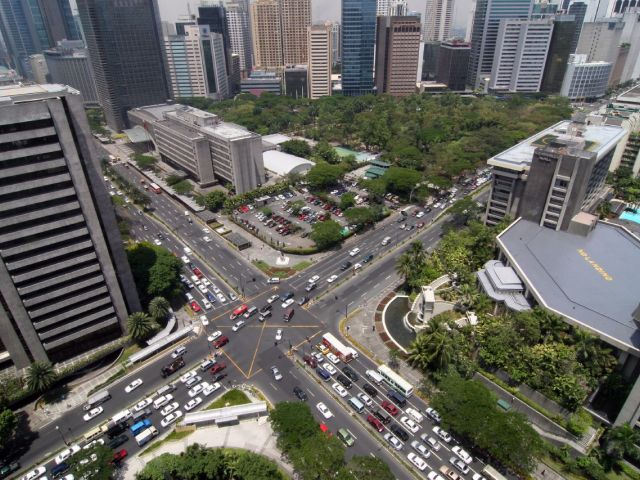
{"x": 382, "y": 8}
{"x": 240, "y": 32}
{"x": 69, "y": 64}
{"x": 358, "y": 41}
{"x": 437, "y": 20}
{"x": 65, "y": 283}
{"x": 336, "y": 42}
{"x": 600, "y": 40}
{"x": 578, "y": 10}
{"x": 29, "y": 27}
{"x": 485, "y": 32}
{"x": 295, "y": 18}
{"x": 453, "y": 62}
{"x": 564, "y": 27}
{"x": 320, "y": 61}
{"x": 397, "y": 50}
{"x": 266, "y": 34}
{"x": 521, "y": 53}
{"x": 126, "y": 53}
{"x": 215, "y": 16}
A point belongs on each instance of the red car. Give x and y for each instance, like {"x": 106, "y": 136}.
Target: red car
{"x": 324, "y": 429}
{"x": 390, "y": 407}
{"x": 377, "y": 424}
{"x": 221, "y": 342}
{"x": 218, "y": 367}
{"x": 195, "y": 307}
{"x": 119, "y": 456}
{"x": 197, "y": 272}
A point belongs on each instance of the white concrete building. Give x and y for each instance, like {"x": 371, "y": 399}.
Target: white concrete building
{"x": 585, "y": 80}
{"x": 320, "y": 60}
{"x": 240, "y": 32}
{"x": 437, "y": 20}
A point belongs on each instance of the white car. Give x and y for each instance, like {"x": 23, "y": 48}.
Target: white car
{"x": 206, "y": 239}
{"x": 332, "y": 278}
{"x": 133, "y": 385}
{"x": 414, "y": 414}
{"x": 187, "y": 376}
{"x": 207, "y": 306}
{"x": 215, "y": 289}
{"x": 193, "y": 380}
{"x": 232, "y": 296}
{"x": 434, "y": 476}
{"x": 169, "y": 408}
{"x": 332, "y": 358}
{"x": 178, "y": 352}
{"x": 214, "y": 336}
{"x": 410, "y": 424}
{"x": 354, "y": 252}
{"x": 272, "y": 299}
{"x": 96, "y": 442}
{"x": 357, "y": 266}
{"x": 417, "y": 461}
{"x": 340, "y": 390}
{"x": 67, "y": 453}
{"x": 477, "y": 476}
{"x": 35, "y": 473}
{"x": 162, "y": 401}
{"x": 142, "y": 404}
{"x": 420, "y": 214}
{"x": 222, "y": 298}
{"x": 169, "y": 419}
{"x": 279, "y": 334}
{"x": 197, "y": 389}
{"x": 314, "y": 279}
{"x": 433, "y": 414}
{"x": 393, "y": 441}
{"x": 93, "y": 413}
{"x": 185, "y": 259}
{"x": 238, "y": 325}
{"x": 276, "y": 373}
{"x": 459, "y": 465}
{"x": 205, "y": 281}
{"x": 421, "y": 449}
{"x": 286, "y": 303}
{"x": 202, "y": 288}
{"x": 206, "y": 230}
{"x": 432, "y": 442}
{"x": 157, "y": 242}
{"x": 324, "y": 410}
{"x": 203, "y": 318}
{"x": 364, "y": 398}
{"x": 209, "y": 389}
{"x": 444, "y": 435}
{"x": 193, "y": 403}
{"x": 329, "y": 368}
{"x": 462, "y": 454}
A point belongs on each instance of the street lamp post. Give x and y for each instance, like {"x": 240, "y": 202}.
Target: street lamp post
{"x": 61, "y": 435}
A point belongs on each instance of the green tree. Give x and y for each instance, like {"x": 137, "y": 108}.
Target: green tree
{"x": 97, "y": 463}
{"x": 467, "y": 296}
{"x": 249, "y": 466}
{"x": 418, "y": 253}
{"x": 164, "y": 275}
{"x": 325, "y": 152}
{"x": 434, "y": 348}
{"x": 8, "y": 425}
{"x": 318, "y": 457}
{"x": 294, "y": 424}
{"x": 159, "y": 308}
{"x": 145, "y": 161}
{"x": 401, "y": 180}
{"x": 299, "y": 148}
{"x": 326, "y": 234}
{"x": 394, "y": 358}
{"x": 296, "y": 206}
{"x": 183, "y": 187}
{"x": 347, "y": 200}
{"x": 40, "y": 377}
{"x": 323, "y": 175}
{"x": 361, "y": 467}
{"x": 376, "y": 189}
{"x": 359, "y": 216}
{"x": 405, "y": 267}
{"x": 621, "y": 441}
{"x": 140, "y": 326}
{"x": 214, "y": 200}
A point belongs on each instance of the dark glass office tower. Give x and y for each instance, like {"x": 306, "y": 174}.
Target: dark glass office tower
{"x": 123, "y": 39}
{"x": 216, "y": 17}
{"x": 358, "y": 41}
{"x": 578, "y": 10}
{"x": 564, "y": 27}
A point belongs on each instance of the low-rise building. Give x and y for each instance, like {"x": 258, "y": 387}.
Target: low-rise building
{"x": 585, "y": 80}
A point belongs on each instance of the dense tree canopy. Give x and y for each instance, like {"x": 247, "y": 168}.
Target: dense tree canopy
{"x": 326, "y": 234}
{"x": 8, "y": 424}
{"x": 299, "y": 148}
{"x": 156, "y": 271}
{"x": 323, "y": 175}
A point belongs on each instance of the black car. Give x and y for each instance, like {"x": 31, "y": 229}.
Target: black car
{"x": 266, "y": 308}
{"x": 264, "y": 316}
{"x": 303, "y": 300}
{"x": 286, "y": 296}
{"x": 372, "y": 392}
{"x": 117, "y": 441}
{"x": 368, "y": 258}
{"x": 400, "y": 432}
{"x": 382, "y": 416}
{"x": 117, "y": 429}
{"x": 298, "y": 392}
{"x": 160, "y": 236}
{"x": 345, "y": 265}
{"x": 220, "y": 377}
{"x": 346, "y": 383}
{"x": 7, "y": 470}
{"x": 350, "y": 372}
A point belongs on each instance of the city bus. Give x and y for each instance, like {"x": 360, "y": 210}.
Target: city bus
{"x": 492, "y": 474}
{"x": 343, "y": 352}
{"x": 241, "y": 310}
{"x": 154, "y": 187}
{"x": 395, "y": 381}
{"x": 95, "y": 432}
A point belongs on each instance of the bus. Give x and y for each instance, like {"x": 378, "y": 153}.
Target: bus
{"x": 241, "y": 310}
{"x": 95, "y": 400}
{"x": 492, "y": 474}
{"x": 395, "y": 381}
{"x": 141, "y": 425}
{"x": 154, "y": 187}
{"x": 95, "y": 432}
{"x": 146, "y": 435}
{"x": 343, "y": 352}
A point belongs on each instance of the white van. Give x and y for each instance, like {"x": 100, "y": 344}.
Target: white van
{"x": 414, "y": 414}
{"x": 166, "y": 389}
{"x": 121, "y": 416}
{"x": 162, "y": 401}
{"x": 374, "y": 376}
{"x": 386, "y": 240}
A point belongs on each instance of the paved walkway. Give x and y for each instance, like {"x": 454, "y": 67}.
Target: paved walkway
{"x": 253, "y": 435}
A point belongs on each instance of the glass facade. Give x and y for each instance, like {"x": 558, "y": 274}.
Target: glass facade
{"x": 358, "y": 41}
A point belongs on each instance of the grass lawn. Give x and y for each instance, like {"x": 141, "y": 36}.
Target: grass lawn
{"x": 172, "y": 437}
{"x": 230, "y": 399}
{"x": 298, "y": 267}
{"x": 130, "y": 350}
{"x": 281, "y": 272}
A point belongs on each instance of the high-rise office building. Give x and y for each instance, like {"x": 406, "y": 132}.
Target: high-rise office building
{"x": 578, "y": 10}
{"x": 600, "y": 40}
{"x": 295, "y": 18}
{"x": 631, "y": 37}
{"x": 196, "y": 64}
{"x": 585, "y": 80}
{"x": 65, "y": 283}
{"x": 622, "y": 6}
{"x": 320, "y": 60}
{"x": 400, "y": 8}
{"x": 521, "y": 53}
{"x": 485, "y": 32}
{"x": 295, "y": 81}
{"x": 240, "y": 33}
{"x": 430, "y": 54}
{"x": 397, "y": 49}
{"x": 437, "y": 20}
{"x": 125, "y": 48}
{"x": 266, "y": 34}
{"x": 453, "y": 62}
{"x": 31, "y": 26}
{"x": 382, "y": 8}
{"x": 215, "y": 16}
{"x": 69, "y": 64}
{"x": 336, "y": 42}
{"x": 358, "y": 42}
{"x": 564, "y": 27}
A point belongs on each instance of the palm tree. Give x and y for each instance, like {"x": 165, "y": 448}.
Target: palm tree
{"x": 40, "y": 377}
{"x": 405, "y": 266}
{"x": 394, "y": 355}
{"x": 159, "y": 308}
{"x": 418, "y": 355}
{"x": 433, "y": 348}
{"x": 621, "y": 441}
{"x": 468, "y": 296}
{"x": 417, "y": 252}
{"x": 140, "y": 325}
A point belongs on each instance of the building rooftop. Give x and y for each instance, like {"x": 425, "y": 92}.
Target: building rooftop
{"x": 282, "y": 163}
{"x": 16, "y": 93}
{"x": 598, "y": 139}
{"x": 592, "y": 281}
{"x": 275, "y": 138}
{"x": 631, "y": 96}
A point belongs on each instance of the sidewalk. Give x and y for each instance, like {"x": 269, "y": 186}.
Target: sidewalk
{"x": 254, "y": 435}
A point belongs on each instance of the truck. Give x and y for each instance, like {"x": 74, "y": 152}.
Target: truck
{"x": 146, "y": 435}
{"x": 95, "y": 400}
{"x": 173, "y": 367}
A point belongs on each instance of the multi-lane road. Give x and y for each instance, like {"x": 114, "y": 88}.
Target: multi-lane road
{"x": 253, "y": 349}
